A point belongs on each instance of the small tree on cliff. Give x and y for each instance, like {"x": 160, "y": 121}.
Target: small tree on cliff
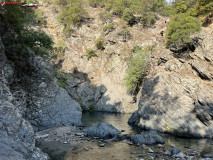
{"x": 181, "y": 26}
{"x": 204, "y": 6}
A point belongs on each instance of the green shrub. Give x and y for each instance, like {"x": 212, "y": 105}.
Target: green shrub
{"x": 38, "y": 41}
{"x": 204, "y": 6}
{"x": 108, "y": 27}
{"x": 108, "y": 6}
{"x": 68, "y": 31}
{"x": 148, "y": 19}
{"x": 105, "y": 17}
{"x": 124, "y": 30}
{"x": 94, "y": 3}
{"x": 62, "y": 84}
{"x": 71, "y": 13}
{"x": 40, "y": 19}
{"x": 181, "y": 26}
{"x": 90, "y": 53}
{"x": 99, "y": 44}
{"x": 128, "y": 16}
{"x": 137, "y": 68}
{"x": 62, "y": 78}
{"x": 91, "y": 107}
{"x": 120, "y": 5}
{"x": 59, "y": 49}
{"x": 82, "y": 106}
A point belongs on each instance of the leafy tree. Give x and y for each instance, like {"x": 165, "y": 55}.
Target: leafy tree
{"x": 187, "y": 3}
{"x": 120, "y": 5}
{"x": 204, "y": 6}
{"x": 181, "y": 26}
{"x": 181, "y": 7}
{"x": 38, "y": 41}
{"x": 71, "y": 13}
{"x": 17, "y": 18}
{"x": 137, "y": 68}
{"x": 20, "y": 35}
{"x": 156, "y": 5}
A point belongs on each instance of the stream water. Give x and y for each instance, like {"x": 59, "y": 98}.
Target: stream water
{"x": 119, "y": 121}
{"x": 119, "y": 150}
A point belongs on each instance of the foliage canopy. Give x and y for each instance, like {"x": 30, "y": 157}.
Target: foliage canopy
{"x": 137, "y": 68}
{"x": 181, "y": 26}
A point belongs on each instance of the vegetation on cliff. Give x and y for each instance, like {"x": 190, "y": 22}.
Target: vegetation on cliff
{"x": 19, "y": 33}
{"x": 137, "y": 69}
{"x": 71, "y": 13}
{"x": 185, "y": 20}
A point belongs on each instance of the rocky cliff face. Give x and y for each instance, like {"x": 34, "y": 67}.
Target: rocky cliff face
{"x": 42, "y": 102}
{"x": 17, "y": 135}
{"x": 48, "y": 105}
{"x": 103, "y": 88}
{"x": 30, "y": 100}
{"x": 178, "y": 96}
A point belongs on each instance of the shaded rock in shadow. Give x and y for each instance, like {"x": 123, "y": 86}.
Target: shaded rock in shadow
{"x": 103, "y": 131}
{"x": 134, "y": 119}
{"x": 148, "y": 138}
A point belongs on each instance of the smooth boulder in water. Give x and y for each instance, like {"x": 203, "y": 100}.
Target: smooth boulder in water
{"x": 148, "y": 138}
{"x": 103, "y": 131}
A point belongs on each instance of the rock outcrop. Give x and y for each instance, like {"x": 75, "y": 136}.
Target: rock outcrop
{"x": 178, "y": 97}
{"x": 42, "y": 102}
{"x": 16, "y": 134}
{"x": 103, "y": 89}
{"x": 49, "y": 105}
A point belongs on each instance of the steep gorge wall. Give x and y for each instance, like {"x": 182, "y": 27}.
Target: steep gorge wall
{"x": 178, "y": 97}
{"x": 30, "y": 100}
{"x": 17, "y": 135}
{"x": 103, "y": 88}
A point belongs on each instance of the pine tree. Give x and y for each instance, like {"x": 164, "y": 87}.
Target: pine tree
{"x": 180, "y": 28}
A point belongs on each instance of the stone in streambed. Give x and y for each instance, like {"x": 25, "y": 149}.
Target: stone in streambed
{"x": 149, "y": 138}
{"x": 103, "y": 131}
{"x": 208, "y": 156}
{"x": 102, "y": 145}
{"x": 174, "y": 151}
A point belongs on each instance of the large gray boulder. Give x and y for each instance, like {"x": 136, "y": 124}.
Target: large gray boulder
{"x": 103, "y": 131}
{"x": 48, "y": 104}
{"x": 148, "y": 138}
